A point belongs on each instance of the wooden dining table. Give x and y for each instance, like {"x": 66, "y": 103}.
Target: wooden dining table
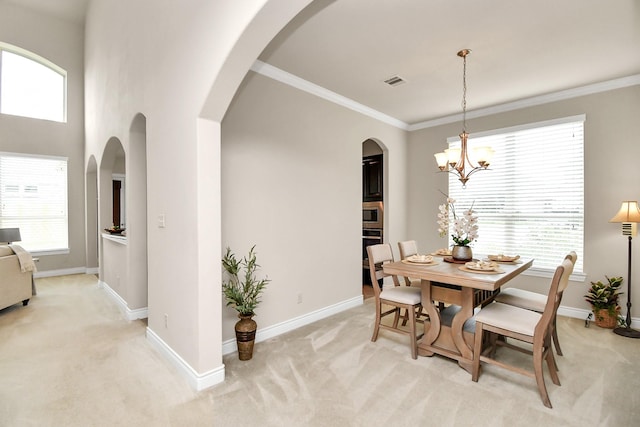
{"x": 450, "y": 330}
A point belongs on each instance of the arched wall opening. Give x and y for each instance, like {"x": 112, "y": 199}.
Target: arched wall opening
{"x": 113, "y": 162}
{"x": 136, "y": 206}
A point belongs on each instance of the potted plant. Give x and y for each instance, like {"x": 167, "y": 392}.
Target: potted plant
{"x": 465, "y": 229}
{"x": 242, "y": 291}
{"x": 603, "y": 298}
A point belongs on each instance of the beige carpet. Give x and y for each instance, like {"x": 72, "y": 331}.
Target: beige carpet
{"x": 70, "y": 359}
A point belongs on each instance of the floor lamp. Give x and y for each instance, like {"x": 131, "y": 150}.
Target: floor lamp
{"x": 629, "y": 216}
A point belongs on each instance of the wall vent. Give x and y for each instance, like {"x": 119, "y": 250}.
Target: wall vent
{"x": 395, "y": 81}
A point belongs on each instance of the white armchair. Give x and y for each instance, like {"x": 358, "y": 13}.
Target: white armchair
{"x": 15, "y": 285}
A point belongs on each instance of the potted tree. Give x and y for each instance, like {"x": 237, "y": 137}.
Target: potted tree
{"x": 242, "y": 291}
{"x": 603, "y": 298}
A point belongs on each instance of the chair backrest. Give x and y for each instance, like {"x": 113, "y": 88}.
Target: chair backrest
{"x": 558, "y": 284}
{"x": 407, "y": 248}
{"x": 378, "y": 255}
{"x": 573, "y": 256}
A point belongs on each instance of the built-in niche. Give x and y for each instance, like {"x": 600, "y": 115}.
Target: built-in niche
{"x": 119, "y": 200}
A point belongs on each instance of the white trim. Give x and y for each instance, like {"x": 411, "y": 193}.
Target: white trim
{"x": 137, "y": 313}
{"x": 61, "y": 272}
{"x": 230, "y": 346}
{"x": 580, "y": 118}
{"x": 548, "y": 274}
{"x": 34, "y": 57}
{"x": 582, "y": 314}
{"x": 197, "y": 381}
{"x": 306, "y": 86}
{"x": 115, "y": 238}
{"x": 312, "y": 88}
{"x": 66, "y": 272}
{"x": 533, "y": 101}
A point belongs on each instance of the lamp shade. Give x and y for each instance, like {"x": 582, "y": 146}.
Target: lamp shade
{"x": 629, "y": 212}
{"x": 8, "y": 235}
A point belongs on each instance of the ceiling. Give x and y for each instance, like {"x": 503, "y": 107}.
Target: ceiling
{"x": 520, "y": 49}
{"x": 68, "y": 10}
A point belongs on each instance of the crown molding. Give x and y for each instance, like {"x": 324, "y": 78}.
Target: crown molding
{"x": 533, "y": 101}
{"x": 294, "y": 81}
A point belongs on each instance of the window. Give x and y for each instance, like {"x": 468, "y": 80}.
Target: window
{"x": 33, "y": 197}
{"x": 531, "y": 200}
{"x": 31, "y": 86}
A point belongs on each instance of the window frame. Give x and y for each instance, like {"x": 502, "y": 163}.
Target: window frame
{"x": 44, "y": 62}
{"x": 52, "y": 250}
{"x": 546, "y": 272}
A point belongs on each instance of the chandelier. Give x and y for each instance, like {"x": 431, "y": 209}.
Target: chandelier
{"x": 462, "y": 161}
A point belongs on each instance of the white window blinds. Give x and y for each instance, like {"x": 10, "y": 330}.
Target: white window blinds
{"x": 33, "y": 198}
{"x": 531, "y": 201}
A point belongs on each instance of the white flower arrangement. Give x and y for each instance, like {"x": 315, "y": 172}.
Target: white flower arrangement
{"x": 465, "y": 228}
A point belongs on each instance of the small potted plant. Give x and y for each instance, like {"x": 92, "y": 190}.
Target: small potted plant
{"x": 242, "y": 291}
{"x": 603, "y": 298}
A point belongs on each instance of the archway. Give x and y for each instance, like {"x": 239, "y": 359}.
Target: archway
{"x": 136, "y": 206}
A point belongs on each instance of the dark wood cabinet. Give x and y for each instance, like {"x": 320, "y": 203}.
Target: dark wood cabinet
{"x": 372, "y": 178}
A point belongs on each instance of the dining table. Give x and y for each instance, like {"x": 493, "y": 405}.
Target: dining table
{"x": 449, "y": 331}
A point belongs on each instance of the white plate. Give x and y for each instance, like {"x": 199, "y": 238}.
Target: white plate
{"x": 503, "y": 258}
{"x": 420, "y": 259}
{"x": 481, "y": 266}
{"x": 442, "y": 252}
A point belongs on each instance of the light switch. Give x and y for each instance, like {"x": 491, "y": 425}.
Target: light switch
{"x": 161, "y": 221}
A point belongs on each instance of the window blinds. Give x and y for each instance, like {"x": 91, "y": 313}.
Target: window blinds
{"x": 531, "y": 200}
{"x": 33, "y": 197}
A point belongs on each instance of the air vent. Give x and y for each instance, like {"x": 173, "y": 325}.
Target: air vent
{"x": 395, "y": 81}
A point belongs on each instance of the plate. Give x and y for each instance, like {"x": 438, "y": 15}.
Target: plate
{"x": 420, "y": 259}
{"x": 503, "y": 258}
{"x": 468, "y": 270}
{"x": 481, "y": 266}
{"x": 432, "y": 262}
{"x": 441, "y": 252}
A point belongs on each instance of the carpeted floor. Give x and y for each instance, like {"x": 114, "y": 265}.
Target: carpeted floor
{"x": 70, "y": 359}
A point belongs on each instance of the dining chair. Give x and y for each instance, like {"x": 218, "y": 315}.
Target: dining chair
{"x": 528, "y": 326}
{"x": 534, "y": 301}
{"x": 398, "y": 297}
{"x": 408, "y": 248}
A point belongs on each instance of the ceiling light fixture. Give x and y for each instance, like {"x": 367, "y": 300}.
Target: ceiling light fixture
{"x": 457, "y": 160}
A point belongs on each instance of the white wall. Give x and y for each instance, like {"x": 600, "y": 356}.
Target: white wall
{"x": 169, "y": 61}
{"x": 292, "y": 185}
{"x": 611, "y": 150}
{"x": 60, "y": 42}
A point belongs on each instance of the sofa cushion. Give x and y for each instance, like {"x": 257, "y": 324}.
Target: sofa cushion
{"x": 5, "y": 250}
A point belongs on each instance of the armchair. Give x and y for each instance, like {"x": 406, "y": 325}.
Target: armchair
{"x": 15, "y": 285}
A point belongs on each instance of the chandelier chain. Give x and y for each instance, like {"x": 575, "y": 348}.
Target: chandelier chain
{"x": 464, "y": 93}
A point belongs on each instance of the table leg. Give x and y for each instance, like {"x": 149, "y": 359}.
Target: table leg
{"x": 434, "y": 319}
{"x": 457, "y": 329}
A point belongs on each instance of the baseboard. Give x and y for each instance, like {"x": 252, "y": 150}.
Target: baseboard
{"x": 197, "y": 381}
{"x": 579, "y": 313}
{"x": 262, "y": 334}
{"x": 138, "y": 313}
{"x": 61, "y": 272}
